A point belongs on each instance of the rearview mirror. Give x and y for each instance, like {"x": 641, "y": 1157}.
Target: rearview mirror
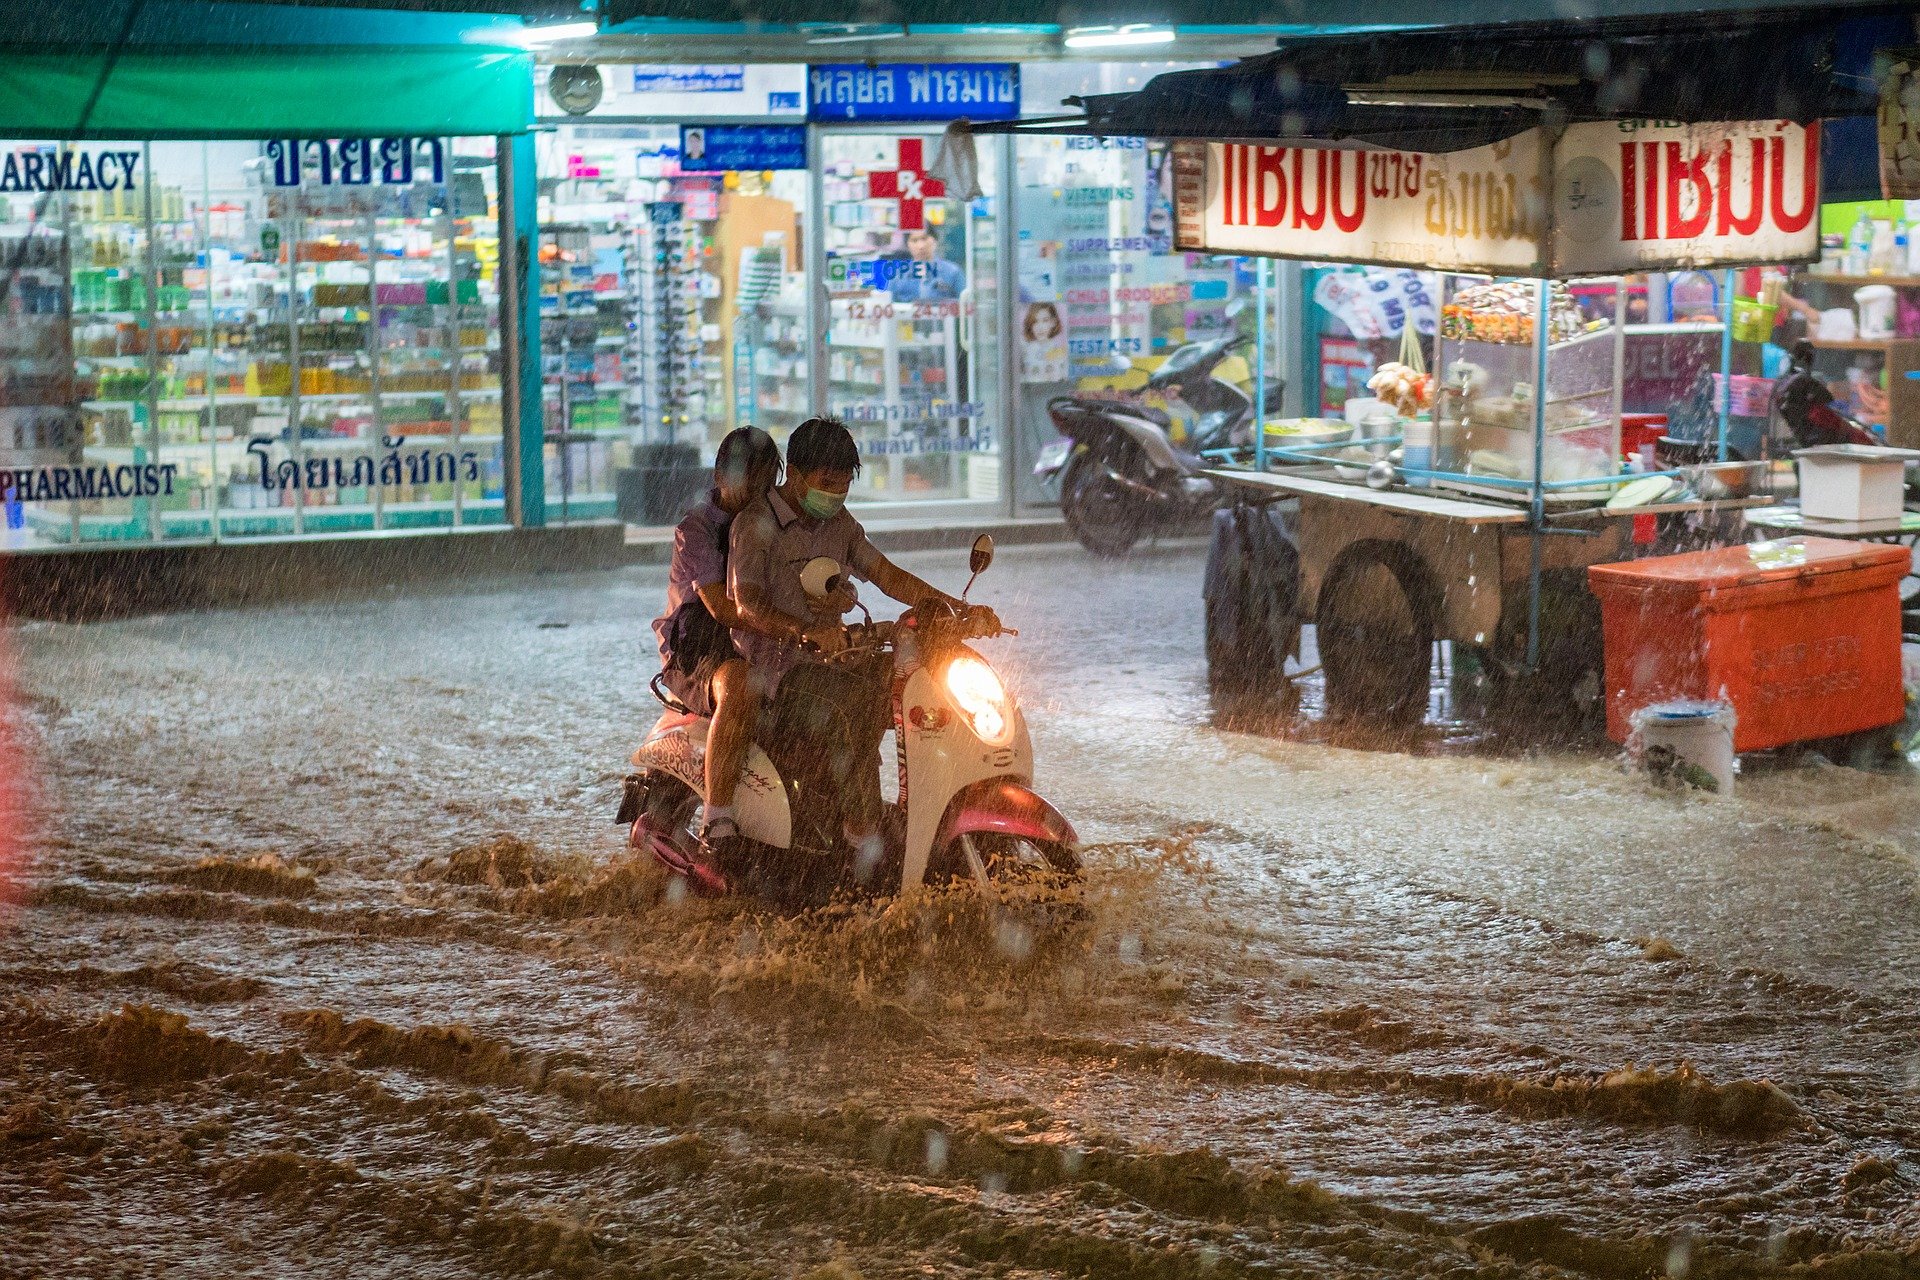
{"x": 982, "y": 555}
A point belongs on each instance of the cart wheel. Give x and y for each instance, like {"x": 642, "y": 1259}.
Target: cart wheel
{"x": 1566, "y": 695}
{"x": 1375, "y": 624}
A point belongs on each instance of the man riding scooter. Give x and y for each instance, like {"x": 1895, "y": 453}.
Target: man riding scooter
{"x": 842, "y": 706}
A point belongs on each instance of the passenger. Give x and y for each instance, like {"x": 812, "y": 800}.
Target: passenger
{"x": 773, "y": 540}
{"x": 699, "y": 665}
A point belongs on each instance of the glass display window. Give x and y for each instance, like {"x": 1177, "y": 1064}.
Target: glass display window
{"x": 1104, "y": 299}
{"x": 673, "y": 309}
{"x": 913, "y": 318}
{"x": 262, "y": 339}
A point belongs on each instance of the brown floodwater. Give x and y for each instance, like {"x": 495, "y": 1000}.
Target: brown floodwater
{"x": 327, "y": 960}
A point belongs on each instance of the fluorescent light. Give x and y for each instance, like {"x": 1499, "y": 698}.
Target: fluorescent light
{"x": 850, "y": 33}
{"x": 1132, "y": 34}
{"x": 555, "y": 32}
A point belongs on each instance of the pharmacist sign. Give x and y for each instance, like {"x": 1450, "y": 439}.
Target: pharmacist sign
{"x": 1601, "y": 198}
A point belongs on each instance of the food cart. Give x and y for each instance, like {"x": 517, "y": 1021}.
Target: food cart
{"x": 1474, "y": 516}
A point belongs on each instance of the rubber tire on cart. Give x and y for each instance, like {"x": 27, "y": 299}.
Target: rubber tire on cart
{"x": 1378, "y": 668}
{"x": 1107, "y": 517}
{"x": 1566, "y": 693}
{"x": 1252, "y": 590}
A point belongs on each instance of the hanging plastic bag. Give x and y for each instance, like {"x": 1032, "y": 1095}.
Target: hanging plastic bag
{"x": 958, "y": 162}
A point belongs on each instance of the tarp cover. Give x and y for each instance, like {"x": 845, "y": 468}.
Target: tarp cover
{"x": 1683, "y": 69}
{"x": 257, "y": 93}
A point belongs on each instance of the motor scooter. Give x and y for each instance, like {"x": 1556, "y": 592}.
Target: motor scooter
{"x": 1123, "y": 473}
{"x": 966, "y": 809}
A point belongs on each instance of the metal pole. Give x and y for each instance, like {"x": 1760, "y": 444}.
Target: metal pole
{"x": 1262, "y": 274}
{"x": 522, "y": 433}
{"x": 1538, "y": 494}
{"x": 1007, "y": 279}
{"x": 454, "y": 345}
{"x": 1726, "y": 358}
{"x": 155, "y": 529}
{"x": 818, "y": 320}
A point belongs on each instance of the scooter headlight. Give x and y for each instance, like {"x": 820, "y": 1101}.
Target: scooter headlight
{"x": 981, "y": 698}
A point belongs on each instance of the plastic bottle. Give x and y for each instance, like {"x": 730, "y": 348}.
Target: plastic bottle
{"x": 1902, "y": 242}
{"x": 1859, "y": 245}
{"x": 1880, "y": 255}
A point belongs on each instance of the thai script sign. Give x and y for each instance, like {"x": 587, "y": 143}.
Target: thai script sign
{"x": 914, "y": 91}
{"x": 397, "y": 465}
{"x": 715, "y": 148}
{"x": 63, "y": 170}
{"x": 356, "y": 162}
{"x": 703, "y": 78}
{"x": 1601, "y": 198}
{"x": 1899, "y": 127}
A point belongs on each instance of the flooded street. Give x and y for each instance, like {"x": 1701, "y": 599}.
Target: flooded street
{"x": 329, "y": 961}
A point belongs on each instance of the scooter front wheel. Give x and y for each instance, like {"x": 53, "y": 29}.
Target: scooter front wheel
{"x": 991, "y": 859}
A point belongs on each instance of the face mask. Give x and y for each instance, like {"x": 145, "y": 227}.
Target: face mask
{"x": 822, "y": 505}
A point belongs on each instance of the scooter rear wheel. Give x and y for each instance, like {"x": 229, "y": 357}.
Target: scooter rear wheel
{"x": 1107, "y": 516}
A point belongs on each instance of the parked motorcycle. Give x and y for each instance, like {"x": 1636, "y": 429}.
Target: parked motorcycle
{"x": 1120, "y": 471}
{"x": 966, "y": 810}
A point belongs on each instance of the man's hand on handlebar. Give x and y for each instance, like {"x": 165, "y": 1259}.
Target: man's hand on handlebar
{"x": 982, "y": 621}
{"x": 828, "y": 637}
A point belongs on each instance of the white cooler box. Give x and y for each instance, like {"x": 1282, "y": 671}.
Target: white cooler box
{"x": 1853, "y": 482}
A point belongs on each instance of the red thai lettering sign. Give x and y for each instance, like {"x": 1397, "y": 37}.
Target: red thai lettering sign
{"x": 1599, "y": 199}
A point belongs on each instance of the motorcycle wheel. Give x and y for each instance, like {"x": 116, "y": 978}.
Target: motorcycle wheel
{"x": 1106, "y": 516}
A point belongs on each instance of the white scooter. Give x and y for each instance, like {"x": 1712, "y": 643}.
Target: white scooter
{"x": 966, "y": 807}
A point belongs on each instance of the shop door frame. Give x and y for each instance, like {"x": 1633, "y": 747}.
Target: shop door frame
{"x": 996, "y": 153}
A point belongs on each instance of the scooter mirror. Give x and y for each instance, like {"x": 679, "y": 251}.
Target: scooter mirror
{"x": 982, "y": 555}
{"x": 820, "y": 576}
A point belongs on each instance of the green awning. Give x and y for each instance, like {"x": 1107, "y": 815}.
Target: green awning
{"x": 261, "y": 93}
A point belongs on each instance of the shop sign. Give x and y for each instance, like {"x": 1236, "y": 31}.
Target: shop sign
{"x": 1604, "y": 198}
{"x": 1899, "y": 127}
{"x": 702, "y": 78}
{"x": 355, "y": 162}
{"x": 68, "y": 170}
{"x": 914, "y": 91}
{"x": 396, "y": 464}
{"x": 60, "y": 484}
{"x": 713, "y": 148}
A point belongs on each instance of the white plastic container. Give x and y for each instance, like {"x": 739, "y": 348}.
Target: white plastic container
{"x": 1852, "y": 482}
{"x": 1875, "y": 303}
{"x": 1699, "y": 733}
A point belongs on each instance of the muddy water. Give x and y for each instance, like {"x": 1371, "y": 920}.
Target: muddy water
{"x": 328, "y": 963}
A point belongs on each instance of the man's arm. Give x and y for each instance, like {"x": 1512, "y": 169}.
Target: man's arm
{"x": 907, "y": 588}
{"x": 758, "y": 614}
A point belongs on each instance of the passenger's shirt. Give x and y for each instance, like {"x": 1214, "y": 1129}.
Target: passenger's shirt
{"x": 699, "y": 560}
{"x": 772, "y": 543}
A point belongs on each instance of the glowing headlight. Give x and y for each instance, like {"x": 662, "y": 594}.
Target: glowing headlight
{"x": 979, "y": 695}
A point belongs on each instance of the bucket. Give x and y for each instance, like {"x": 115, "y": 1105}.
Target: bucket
{"x": 1697, "y": 733}
{"x": 1752, "y": 320}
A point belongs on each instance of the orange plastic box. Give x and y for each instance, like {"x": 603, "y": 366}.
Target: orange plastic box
{"x": 1803, "y": 639}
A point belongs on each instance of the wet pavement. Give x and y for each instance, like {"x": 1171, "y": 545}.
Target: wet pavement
{"x": 329, "y": 962}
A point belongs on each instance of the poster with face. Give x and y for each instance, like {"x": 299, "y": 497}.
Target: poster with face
{"x": 1043, "y": 344}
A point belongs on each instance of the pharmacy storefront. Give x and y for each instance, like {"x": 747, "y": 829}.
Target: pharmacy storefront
{"x": 262, "y": 298}
{"x": 731, "y": 244}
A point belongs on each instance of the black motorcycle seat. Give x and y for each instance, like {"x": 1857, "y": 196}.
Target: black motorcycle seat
{"x": 1145, "y": 412}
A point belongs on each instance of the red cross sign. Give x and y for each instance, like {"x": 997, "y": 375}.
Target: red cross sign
{"x": 908, "y": 184}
